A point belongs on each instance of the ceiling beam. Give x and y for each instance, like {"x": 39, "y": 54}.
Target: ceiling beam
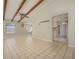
{"x": 18, "y": 9}
{"x": 4, "y": 10}
{"x": 38, "y": 3}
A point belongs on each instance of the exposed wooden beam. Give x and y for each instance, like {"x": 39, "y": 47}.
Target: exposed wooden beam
{"x": 38, "y": 3}
{"x": 4, "y": 10}
{"x": 18, "y": 9}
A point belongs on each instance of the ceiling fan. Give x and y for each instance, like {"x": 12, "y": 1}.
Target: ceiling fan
{"x": 23, "y": 15}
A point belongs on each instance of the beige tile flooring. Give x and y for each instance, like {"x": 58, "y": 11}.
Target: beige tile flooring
{"x": 24, "y": 47}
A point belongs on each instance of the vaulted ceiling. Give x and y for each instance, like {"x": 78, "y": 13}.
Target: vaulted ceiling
{"x": 17, "y": 10}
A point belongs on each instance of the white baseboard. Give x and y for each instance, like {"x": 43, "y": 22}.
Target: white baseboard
{"x": 47, "y": 40}
{"x": 44, "y": 39}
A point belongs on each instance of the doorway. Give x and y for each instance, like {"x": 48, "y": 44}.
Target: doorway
{"x": 60, "y": 27}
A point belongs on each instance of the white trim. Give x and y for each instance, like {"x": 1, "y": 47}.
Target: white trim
{"x": 44, "y": 39}
{"x": 47, "y": 40}
{"x": 10, "y": 32}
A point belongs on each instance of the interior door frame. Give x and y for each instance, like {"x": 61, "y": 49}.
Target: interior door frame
{"x": 53, "y": 23}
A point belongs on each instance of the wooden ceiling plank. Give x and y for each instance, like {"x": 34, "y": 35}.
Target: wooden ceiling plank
{"x": 18, "y": 9}
{"x": 38, "y": 3}
{"x": 4, "y": 10}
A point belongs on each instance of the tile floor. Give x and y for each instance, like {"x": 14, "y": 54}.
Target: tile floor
{"x": 24, "y": 47}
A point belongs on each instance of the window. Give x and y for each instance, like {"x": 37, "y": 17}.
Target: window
{"x": 10, "y": 28}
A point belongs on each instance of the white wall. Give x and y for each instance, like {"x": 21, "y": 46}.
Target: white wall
{"x": 54, "y": 7}
{"x": 20, "y": 30}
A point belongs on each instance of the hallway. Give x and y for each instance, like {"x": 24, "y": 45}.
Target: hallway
{"x": 24, "y": 47}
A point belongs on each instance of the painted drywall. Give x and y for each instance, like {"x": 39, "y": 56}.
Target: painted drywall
{"x": 53, "y": 8}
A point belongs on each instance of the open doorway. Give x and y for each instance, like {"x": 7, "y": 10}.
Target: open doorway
{"x": 29, "y": 27}
{"x": 60, "y": 27}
